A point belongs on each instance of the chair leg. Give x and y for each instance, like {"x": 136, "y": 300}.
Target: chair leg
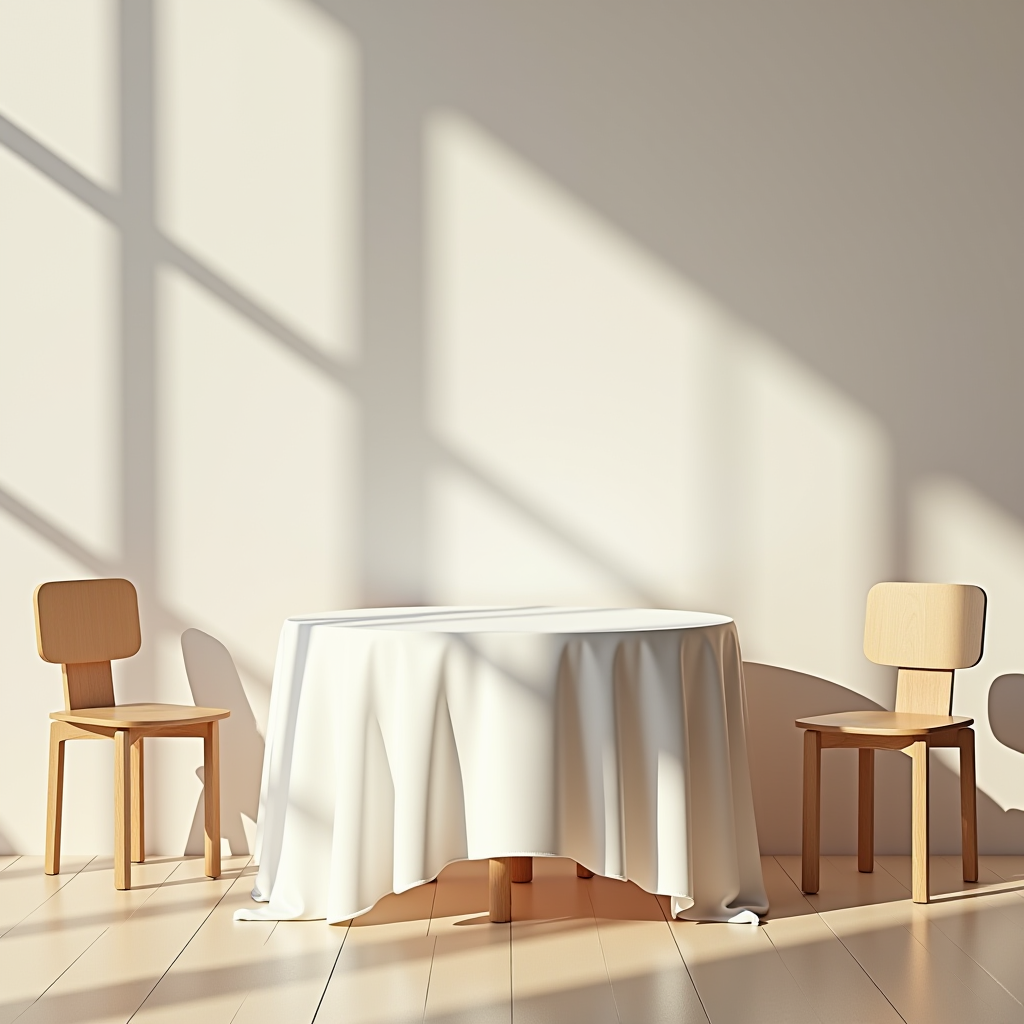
{"x": 522, "y": 869}
{"x": 919, "y": 823}
{"x": 54, "y": 801}
{"x": 582, "y": 872}
{"x": 866, "y": 810}
{"x": 499, "y": 877}
{"x": 211, "y": 798}
{"x": 138, "y": 803}
{"x": 968, "y": 806}
{"x": 122, "y": 809}
{"x": 812, "y": 811}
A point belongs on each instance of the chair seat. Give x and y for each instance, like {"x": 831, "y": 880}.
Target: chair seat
{"x": 883, "y": 723}
{"x": 141, "y": 716}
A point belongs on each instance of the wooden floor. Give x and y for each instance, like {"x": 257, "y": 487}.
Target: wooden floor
{"x": 73, "y": 949}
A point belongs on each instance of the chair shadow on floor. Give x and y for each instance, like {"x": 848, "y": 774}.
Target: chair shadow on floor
{"x": 212, "y": 677}
{"x": 776, "y": 697}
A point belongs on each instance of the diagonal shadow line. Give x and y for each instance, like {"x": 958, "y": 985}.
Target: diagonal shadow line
{"x": 110, "y": 206}
{"x": 55, "y": 536}
{"x": 102, "y": 567}
{"x": 252, "y": 310}
{"x": 59, "y": 170}
{"x": 538, "y": 519}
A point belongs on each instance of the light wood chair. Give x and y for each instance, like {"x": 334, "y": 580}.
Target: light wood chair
{"x": 83, "y": 625}
{"x": 927, "y": 630}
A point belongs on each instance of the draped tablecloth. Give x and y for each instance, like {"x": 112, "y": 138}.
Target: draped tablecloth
{"x": 400, "y": 740}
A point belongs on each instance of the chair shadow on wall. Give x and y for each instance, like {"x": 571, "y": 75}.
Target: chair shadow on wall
{"x": 776, "y": 697}
{"x": 212, "y": 677}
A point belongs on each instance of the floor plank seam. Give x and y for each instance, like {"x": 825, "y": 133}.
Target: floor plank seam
{"x": 849, "y": 951}
{"x": 985, "y": 970}
{"x": 70, "y": 879}
{"x": 13, "y": 862}
{"x": 867, "y": 973}
{"x": 433, "y": 953}
{"x": 330, "y": 973}
{"x": 190, "y": 938}
{"x": 686, "y": 966}
{"x": 62, "y": 973}
{"x": 604, "y": 955}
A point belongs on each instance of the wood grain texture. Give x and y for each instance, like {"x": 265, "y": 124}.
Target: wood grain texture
{"x": 122, "y": 810}
{"x": 882, "y": 723}
{"x": 500, "y": 890}
{"x": 138, "y": 802}
{"x": 211, "y": 798}
{"x": 86, "y": 620}
{"x": 925, "y": 625}
{"x": 811, "y": 811}
{"x": 83, "y": 624}
{"x": 924, "y": 691}
{"x": 522, "y": 869}
{"x": 54, "y": 801}
{"x": 866, "y": 810}
{"x": 87, "y": 685}
{"x": 919, "y": 821}
{"x": 968, "y": 807}
{"x": 150, "y": 717}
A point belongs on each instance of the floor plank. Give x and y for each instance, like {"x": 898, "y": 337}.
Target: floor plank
{"x": 829, "y": 976}
{"x": 41, "y": 947}
{"x": 383, "y": 969}
{"x": 718, "y": 955}
{"x": 217, "y": 969}
{"x": 24, "y": 887}
{"x": 558, "y": 969}
{"x": 843, "y": 886}
{"x": 115, "y": 974}
{"x": 471, "y": 972}
{"x": 7, "y": 860}
{"x": 649, "y": 980}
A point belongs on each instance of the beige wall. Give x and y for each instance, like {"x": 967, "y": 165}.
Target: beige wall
{"x": 704, "y": 305}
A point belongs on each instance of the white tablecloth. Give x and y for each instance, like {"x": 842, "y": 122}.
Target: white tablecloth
{"x": 402, "y": 739}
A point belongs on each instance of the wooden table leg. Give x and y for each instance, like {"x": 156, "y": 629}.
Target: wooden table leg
{"x": 522, "y": 869}
{"x": 582, "y": 872}
{"x": 211, "y": 798}
{"x": 500, "y": 889}
{"x": 866, "y": 811}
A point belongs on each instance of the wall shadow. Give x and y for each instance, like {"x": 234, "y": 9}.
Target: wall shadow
{"x": 1006, "y": 710}
{"x": 214, "y": 682}
{"x": 776, "y": 697}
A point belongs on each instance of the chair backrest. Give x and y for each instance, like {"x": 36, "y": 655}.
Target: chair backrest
{"x": 83, "y": 625}
{"x": 928, "y": 631}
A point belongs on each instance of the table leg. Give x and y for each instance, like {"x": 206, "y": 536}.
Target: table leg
{"x": 500, "y": 889}
{"x": 522, "y": 869}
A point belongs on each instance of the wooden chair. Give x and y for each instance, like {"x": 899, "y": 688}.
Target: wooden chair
{"x": 83, "y": 625}
{"x": 927, "y": 630}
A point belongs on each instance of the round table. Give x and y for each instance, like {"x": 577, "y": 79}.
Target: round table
{"x": 402, "y": 739}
